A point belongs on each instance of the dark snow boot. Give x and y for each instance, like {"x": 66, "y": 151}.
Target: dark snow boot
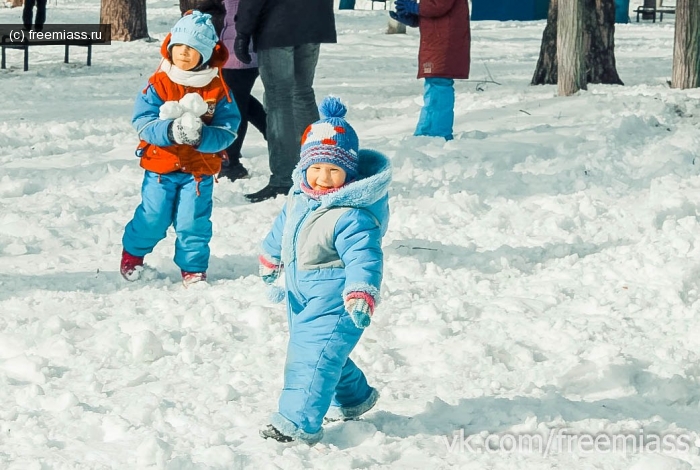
{"x": 234, "y": 172}
{"x": 271, "y": 432}
{"x": 351, "y": 413}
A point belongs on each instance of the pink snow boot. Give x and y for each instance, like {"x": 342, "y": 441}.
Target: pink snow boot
{"x": 192, "y": 278}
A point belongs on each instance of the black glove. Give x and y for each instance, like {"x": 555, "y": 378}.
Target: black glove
{"x": 241, "y": 47}
{"x": 407, "y": 19}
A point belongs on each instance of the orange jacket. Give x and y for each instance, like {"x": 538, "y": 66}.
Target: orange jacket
{"x": 158, "y": 154}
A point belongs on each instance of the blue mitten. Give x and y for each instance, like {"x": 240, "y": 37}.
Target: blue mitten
{"x": 406, "y": 7}
{"x": 408, "y": 20}
{"x": 360, "y": 309}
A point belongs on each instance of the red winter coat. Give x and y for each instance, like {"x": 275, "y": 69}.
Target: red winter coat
{"x": 445, "y": 39}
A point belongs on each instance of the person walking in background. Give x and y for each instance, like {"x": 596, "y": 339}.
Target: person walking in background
{"x": 287, "y": 35}
{"x": 240, "y": 78}
{"x": 443, "y": 55}
{"x": 184, "y": 117}
{"x": 328, "y": 240}
{"x": 28, "y": 13}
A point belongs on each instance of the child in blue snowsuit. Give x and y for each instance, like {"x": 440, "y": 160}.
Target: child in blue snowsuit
{"x": 185, "y": 117}
{"x": 328, "y": 241}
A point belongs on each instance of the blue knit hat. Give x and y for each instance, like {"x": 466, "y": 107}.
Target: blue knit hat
{"x": 331, "y": 140}
{"x": 197, "y": 31}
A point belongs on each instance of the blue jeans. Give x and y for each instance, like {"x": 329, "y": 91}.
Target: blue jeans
{"x": 438, "y": 113}
{"x": 287, "y": 74}
{"x": 172, "y": 199}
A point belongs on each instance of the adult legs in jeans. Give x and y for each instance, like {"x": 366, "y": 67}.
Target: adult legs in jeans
{"x": 240, "y": 82}
{"x": 287, "y": 74}
{"x": 305, "y": 107}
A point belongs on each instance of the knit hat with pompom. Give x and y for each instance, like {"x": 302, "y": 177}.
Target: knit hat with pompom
{"x": 331, "y": 140}
{"x": 196, "y": 30}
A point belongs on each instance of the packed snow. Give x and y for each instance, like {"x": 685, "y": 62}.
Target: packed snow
{"x": 542, "y": 273}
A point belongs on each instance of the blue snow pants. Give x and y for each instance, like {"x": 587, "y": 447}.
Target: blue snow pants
{"x": 438, "y": 113}
{"x": 318, "y": 372}
{"x": 172, "y": 199}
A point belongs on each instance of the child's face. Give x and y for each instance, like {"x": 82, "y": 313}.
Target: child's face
{"x": 325, "y": 176}
{"x": 184, "y": 57}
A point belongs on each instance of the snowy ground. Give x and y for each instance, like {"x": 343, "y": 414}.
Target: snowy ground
{"x": 542, "y": 270}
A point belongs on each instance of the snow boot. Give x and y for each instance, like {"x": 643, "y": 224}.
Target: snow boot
{"x": 351, "y": 413}
{"x": 271, "y": 432}
{"x": 191, "y": 278}
{"x": 131, "y": 266}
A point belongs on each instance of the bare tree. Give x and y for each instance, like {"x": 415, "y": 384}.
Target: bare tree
{"x": 127, "y": 17}
{"x": 546, "y": 70}
{"x": 686, "y": 48}
{"x": 598, "y": 44}
{"x": 570, "y": 47}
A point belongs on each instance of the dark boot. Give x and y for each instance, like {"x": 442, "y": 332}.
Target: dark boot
{"x": 271, "y": 432}
{"x": 268, "y": 192}
{"x": 234, "y": 172}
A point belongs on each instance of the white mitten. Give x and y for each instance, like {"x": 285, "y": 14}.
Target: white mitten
{"x": 170, "y": 110}
{"x": 194, "y": 103}
{"x": 187, "y": 129}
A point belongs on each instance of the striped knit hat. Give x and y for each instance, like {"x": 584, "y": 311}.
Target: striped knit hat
{"x": 331, "y": 140}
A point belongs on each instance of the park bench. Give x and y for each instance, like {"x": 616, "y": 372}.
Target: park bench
{"x": 377, "y": 1}
{"x": 654, "y": 10}
{"x": 5, "y": 43}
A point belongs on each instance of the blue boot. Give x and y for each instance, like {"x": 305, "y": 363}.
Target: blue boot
{"x": 438, "y": 113}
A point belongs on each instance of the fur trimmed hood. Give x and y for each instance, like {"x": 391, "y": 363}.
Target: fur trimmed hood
{"x": 372, "y": 184}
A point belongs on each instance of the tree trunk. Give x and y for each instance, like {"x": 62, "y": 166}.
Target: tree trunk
{"x": 546, "y": 70}
{"x": 571, "y": 77}
{"x": 598, "y": 44}
{"x": 127, "y": 17}
{"x": 599, "y": 40}
{"x": 394, "y": 27}
{"x": 686, "y": 48}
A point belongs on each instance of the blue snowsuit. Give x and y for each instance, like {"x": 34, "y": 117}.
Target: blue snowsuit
{"x": 177, "y": 198}
{"x": 329, "y": 247}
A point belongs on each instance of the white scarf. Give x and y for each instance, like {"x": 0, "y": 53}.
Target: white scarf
{"x": 197, "y": 79}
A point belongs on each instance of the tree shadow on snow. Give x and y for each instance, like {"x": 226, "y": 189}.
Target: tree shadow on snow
{"x": 110, "y": 281}
{"x": 674, "y": 400}
{"x": 525, "y": 258}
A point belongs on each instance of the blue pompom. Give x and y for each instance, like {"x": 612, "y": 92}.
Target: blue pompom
{"x": 331, "y": 107}
{"x": 275, "y": 294}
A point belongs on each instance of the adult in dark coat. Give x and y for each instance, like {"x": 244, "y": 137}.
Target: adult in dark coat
{"x": 286, "y": 34}
{"x": 443, "y": 56}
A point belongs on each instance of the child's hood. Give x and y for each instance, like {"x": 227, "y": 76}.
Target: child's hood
{"x": 219, "y": 55}
{"x": 371, "y": 186}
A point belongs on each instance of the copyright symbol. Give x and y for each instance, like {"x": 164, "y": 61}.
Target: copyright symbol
{"x": 16, "y": 35}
